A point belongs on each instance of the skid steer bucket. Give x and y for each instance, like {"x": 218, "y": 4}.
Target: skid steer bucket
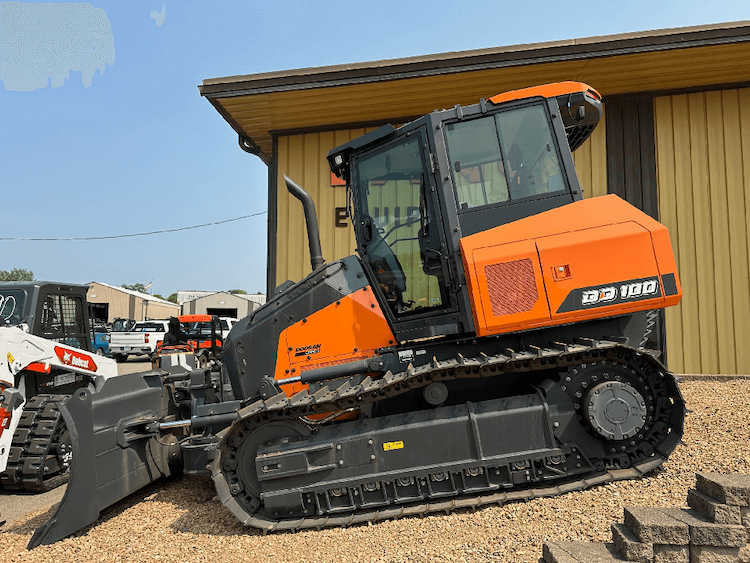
{"x": 115, "y": 452}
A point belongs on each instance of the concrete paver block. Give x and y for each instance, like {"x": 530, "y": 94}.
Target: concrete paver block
{"x": 580, "y": 552}
{"x": 671, "y": 553}
{"x": 714, "y": 510}
{"x": 728, "y": 489}
{"x": 652, "y": 525}
{"x": 554, "y": 552}
{"x": 712, "y": 554}
{"x": 703, "y": 532}
{"x": 628, "y": 545}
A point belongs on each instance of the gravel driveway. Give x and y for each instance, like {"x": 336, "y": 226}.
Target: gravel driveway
{"x": 181, "y": 520}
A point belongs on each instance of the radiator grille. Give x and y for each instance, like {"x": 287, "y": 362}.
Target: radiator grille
{"x": 512, "y": 287}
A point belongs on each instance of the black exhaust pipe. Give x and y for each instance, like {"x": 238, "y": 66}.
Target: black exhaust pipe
{"x": 313, "y": 232}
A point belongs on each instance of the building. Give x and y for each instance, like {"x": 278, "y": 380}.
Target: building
{"x": 185, "y": 296}
{"x": 674, "y": 141}
{"x": 259, "y": 298}
{"x": 221, "y": 304}
{"x": 109, "y": 302}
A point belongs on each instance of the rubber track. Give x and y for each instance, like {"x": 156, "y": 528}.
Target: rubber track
{"x": 372, "y": 390}
{"x": 30, "y": 446}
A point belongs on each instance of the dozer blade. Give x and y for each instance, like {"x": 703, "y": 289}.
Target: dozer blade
{"x": 116, "y": 450}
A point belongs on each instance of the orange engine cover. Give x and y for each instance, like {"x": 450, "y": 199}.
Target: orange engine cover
{"x": 351, "y": 329}
{"x": 590, "y": 259}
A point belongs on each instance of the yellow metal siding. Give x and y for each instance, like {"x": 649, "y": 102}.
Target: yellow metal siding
{"x": 703, "y": 163}
{"x": 591, "y": 162}
{"x": 303, "y": 159}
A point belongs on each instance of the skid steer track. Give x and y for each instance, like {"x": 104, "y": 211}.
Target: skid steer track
{"x": 661, "y": 434}
{"x": 40, "y": 451}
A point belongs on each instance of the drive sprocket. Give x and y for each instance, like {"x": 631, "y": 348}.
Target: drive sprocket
{"x": 620, "y": 404}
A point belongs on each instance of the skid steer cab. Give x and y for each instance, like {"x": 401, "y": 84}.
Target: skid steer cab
{"x": 487, "y": 342}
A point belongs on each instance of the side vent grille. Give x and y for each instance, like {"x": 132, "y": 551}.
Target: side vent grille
{"x": 512, "y": 287}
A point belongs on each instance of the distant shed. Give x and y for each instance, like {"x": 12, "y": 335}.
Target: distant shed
{"x": 109, "y": 302}
{"x": 221, "y": 304}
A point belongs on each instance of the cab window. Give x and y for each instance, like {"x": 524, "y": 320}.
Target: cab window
{"x": 505, "y": 157}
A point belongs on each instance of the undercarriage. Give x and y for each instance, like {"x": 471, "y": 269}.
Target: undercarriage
{"x": 593, "y": 412}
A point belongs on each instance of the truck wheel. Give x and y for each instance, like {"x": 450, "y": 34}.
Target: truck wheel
{"x": 100, "y": 351}
{"x": 119, "y": 358}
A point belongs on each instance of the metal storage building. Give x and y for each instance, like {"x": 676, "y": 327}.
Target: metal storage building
{"x": 221, "y": 304}
{"x": 109, "y": 302}
{"x": 674, "y": 141}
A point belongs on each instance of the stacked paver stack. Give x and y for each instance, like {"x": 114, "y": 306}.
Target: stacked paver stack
{"x": 715, "y": 529}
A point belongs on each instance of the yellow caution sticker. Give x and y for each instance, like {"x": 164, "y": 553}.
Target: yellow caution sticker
{"x": 388, "y": 446}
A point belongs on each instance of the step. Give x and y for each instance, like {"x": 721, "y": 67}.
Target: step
{"x": 652, "y": 525}
{"x": 713, "y": 509}
{"x": 705, "y": 533}
{"x": 628, "y": 545}
{"x": 580, "y": 552}
{"x": 732, "y": 489}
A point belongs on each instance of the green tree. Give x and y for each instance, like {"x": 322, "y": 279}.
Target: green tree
{"x": 157, "y": 295}
{"x": 16, "y": 274}
{"x": 172, "y": 298}
{"x": 238, "y": 292}
{"x": 135, "y": 287}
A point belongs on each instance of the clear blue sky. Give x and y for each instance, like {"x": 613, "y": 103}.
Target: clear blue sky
{"x": 140, "y": 150}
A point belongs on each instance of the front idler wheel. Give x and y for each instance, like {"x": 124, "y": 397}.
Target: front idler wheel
{"x": 239, "y": 466}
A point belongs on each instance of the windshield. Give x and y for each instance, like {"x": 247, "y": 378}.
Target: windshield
{"x": 122, "y": 325}
{"x": 11, "y": 305}
{"x": 149, "y": 327}
{"x": 198, "y": 329}
{"x": 503, "y": 158}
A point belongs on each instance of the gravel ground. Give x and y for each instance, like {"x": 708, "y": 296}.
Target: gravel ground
{"x": 181, "y": 520}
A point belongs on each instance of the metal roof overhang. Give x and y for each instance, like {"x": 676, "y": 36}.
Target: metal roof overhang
{"x": 259, "y": 106}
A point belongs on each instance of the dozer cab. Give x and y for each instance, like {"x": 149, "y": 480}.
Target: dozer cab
{"x": 484, "y": 345}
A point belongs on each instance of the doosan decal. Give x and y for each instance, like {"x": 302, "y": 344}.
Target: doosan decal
{"x": 622, "y": 292}
{"x": 75, "y": 359}
{"x": 307, "y": 350}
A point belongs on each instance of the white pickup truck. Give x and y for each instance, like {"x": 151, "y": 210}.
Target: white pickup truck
{"x": 141, "y": 340}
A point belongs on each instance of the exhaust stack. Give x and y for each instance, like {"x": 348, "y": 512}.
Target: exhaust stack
{"x": 313, "y": 232}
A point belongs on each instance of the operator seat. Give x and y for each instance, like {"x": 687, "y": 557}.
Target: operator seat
{"x": 387, "y": 268}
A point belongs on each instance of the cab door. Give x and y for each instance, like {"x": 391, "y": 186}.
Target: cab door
{"x": 400, "y": 236}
